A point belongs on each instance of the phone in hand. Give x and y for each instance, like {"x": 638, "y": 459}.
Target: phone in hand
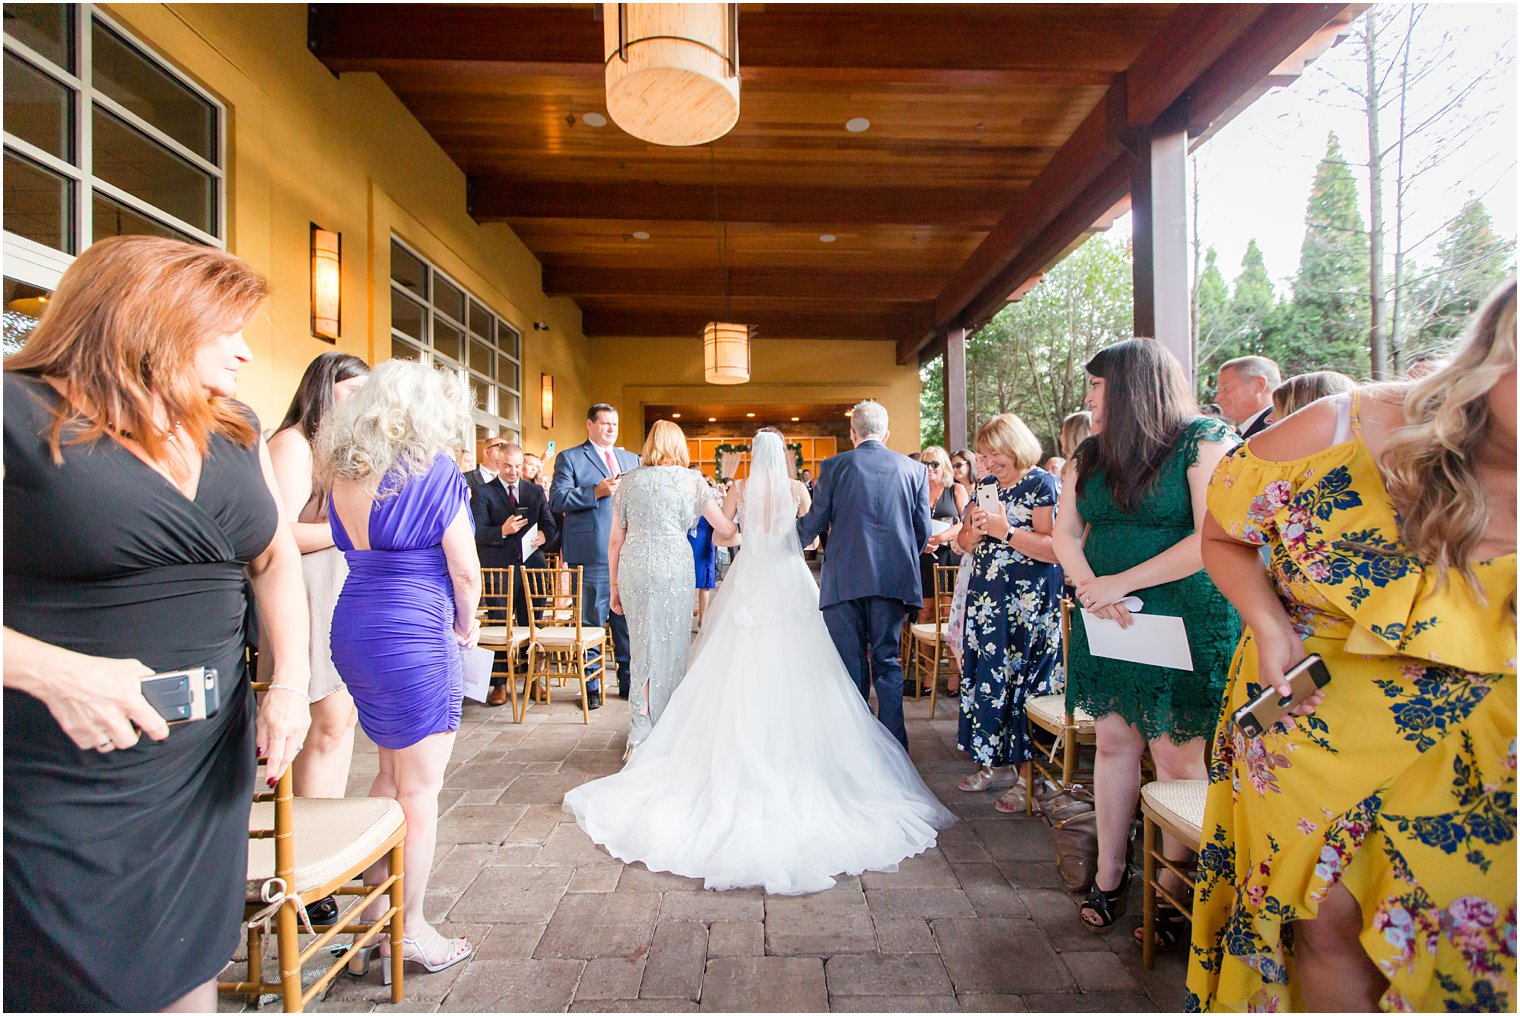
{"x": 180, "y": 696}
{"x": 1305, "y": 678}
{"x": 987, "y": 498}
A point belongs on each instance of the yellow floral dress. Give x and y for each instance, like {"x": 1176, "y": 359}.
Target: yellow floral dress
{"x": 1401, "y": 785}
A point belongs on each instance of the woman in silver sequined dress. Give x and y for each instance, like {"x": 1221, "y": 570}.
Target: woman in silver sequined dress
{"x": 649, "y": 565}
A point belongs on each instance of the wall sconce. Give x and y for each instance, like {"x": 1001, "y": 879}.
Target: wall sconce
{"x": 540, "y": 326}
{"x": 546, "y": 400}
{"x": 326, "y": 283}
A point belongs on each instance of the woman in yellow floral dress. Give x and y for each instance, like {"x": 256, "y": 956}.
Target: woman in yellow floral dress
{"x": 1361, "y": 854}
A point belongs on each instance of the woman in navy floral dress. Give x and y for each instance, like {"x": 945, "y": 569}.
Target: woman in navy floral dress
{"x": 1013, "y": 606}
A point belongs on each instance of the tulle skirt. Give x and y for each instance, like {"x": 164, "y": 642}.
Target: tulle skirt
{"x": 766, "y": 768}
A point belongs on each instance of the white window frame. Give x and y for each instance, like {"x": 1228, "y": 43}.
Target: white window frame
{"x": 39, "y": 265}
{"x": 488, "y": 416}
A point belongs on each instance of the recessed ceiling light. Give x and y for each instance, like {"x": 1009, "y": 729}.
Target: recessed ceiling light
{"x": 712, "y": 419}
{"x": 849, "y": 412}
{"x": 750, "y": 415}
{"x": 857, "y": 125}
{"x": 594, "y": 120}
{"x": 796, "y": 418}
{"x": 675, "y": 416}
{"x": 639, "y": 234}
{"x": 827, "y": 238}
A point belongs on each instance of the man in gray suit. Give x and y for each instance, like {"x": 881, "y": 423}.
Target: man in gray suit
{"x": 874, "y": 503}
{"x": 585, "y": 478}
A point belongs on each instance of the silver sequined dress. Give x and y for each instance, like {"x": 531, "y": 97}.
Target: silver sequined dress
{"x": 656, "y": 506}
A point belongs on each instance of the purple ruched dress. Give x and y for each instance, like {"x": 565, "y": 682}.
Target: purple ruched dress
{"x": 393, "y": 629}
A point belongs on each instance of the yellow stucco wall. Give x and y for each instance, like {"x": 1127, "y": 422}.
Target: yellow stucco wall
{"x": 633, "y": 373}
{"x": 304, "y": 146}
{"x": 343, "y": 152}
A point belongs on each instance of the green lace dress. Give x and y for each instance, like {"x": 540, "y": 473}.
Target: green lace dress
{"x": 1157, "y": 700}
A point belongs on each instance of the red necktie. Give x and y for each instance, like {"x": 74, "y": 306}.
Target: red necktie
{"x": 611, "y": 463}
{"x": 512, "y": 496}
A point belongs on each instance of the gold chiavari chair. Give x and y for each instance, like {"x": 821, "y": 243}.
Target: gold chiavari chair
{"x": 498, "y": 630}
{"x": 560, "y": 643}
{"x": 930, "y": 642}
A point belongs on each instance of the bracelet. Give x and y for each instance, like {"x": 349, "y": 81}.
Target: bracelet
{"x": 292, "y": 689}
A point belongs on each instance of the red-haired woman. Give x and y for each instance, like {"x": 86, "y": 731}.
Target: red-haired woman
{"x": 138, "y": 502}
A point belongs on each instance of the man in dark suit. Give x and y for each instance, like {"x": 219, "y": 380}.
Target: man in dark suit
{"x": 585, "y": 478}
{"x": 874, "y": 503}
{"x": 489, "y": 466}
{"x": 1244, "y": 392}
{"x": 502, "y": 509}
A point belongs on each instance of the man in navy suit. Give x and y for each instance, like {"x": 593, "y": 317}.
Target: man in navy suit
{"x": 502, "y": 509}
{"x": 874, "y": 504}
{"x": 585, "y": 478}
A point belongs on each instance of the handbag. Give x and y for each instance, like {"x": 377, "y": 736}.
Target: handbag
{"x": 1073, "y": 821}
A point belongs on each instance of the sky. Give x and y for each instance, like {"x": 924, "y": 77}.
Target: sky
{"x": 1255, "y": 174}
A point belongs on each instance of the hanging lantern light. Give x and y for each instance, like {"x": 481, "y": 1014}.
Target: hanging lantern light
{"x": 725, "y": 353}
{"x": 672, "y": 70}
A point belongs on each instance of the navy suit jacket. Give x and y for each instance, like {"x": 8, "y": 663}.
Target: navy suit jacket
{"x": 489, "y": 508}
{"x": 874, "y": 502}
{"x": 588, "y": 519}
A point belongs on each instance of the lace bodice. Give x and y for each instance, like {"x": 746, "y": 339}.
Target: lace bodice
{"x": 660, "y": 503}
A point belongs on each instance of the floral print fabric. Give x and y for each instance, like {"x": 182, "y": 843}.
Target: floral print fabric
{"x": 1012, "y": 633}
{"x": 1401, "y": 786}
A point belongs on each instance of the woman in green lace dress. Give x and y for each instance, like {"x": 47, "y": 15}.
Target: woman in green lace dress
{"x": 1140, "y": 483}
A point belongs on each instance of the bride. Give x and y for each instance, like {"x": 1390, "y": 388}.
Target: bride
{"x": 767, "y": 767}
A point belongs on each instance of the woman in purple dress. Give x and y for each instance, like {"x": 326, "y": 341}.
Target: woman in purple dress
{"x": 400, "y": 514}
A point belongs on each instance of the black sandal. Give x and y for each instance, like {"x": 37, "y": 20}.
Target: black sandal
{"x": 1108, "y": 904}
{"x": 1171, "y": 929}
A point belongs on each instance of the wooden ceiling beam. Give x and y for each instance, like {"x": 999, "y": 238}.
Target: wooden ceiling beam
{"x": 778, "y": 42}
{"x": 1238, "y": 39}
{"x": 783, "y": 283}
{"x": 497, "y": 199}
{"x": 601, "y": 322}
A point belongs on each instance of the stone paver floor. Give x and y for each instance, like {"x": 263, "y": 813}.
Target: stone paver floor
{"x": 980, "y": 923}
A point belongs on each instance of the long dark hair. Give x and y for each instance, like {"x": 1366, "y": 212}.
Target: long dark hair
{"x": 313, "y": 399}
{"x": 1146, "y": 406}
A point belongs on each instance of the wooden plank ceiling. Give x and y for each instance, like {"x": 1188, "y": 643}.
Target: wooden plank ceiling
{"x": 998, "y": 137}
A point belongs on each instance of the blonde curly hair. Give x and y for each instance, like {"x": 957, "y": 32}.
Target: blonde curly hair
{"x": 405, "y": 417}
{"x": 1428, "y": 463}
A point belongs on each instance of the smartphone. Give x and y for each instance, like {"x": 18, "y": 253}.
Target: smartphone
{"x": 1305, "y": 678}
{"x": 180, "y": 696}
{"x": 987, "y": 498}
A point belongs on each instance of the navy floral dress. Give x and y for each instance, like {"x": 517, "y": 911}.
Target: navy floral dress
{"x": 1013, "y": 633}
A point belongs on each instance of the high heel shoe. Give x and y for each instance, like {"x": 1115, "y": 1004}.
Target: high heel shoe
{"x": 1105, "y": 904}
{"x": 412, "y": 952}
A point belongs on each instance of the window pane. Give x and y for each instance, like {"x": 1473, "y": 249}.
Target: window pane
{"x": 448, "y": 298}
{"x": 480, "y": 357}
{"x": 409, "y": 271}
{"x": 403, "y": 350}
{"x": 480, "y": 391}
{"x": 407, "y": 315}
{"x": 508, "y": 340}
{"x": 480, "y": 320}
{"x": 23, "y": 310}
{"x": 447, "y": 339}
{"x": 39, "y": 204}
{"x": 147, "y": 170}
{"x": 47, "y": 28}
{"x": 507, "y": 405}
{"x": 154, "y": 94}
{"x": 38, "y": 109}
{"x": 506, "y": 373}
{"x": 112, "y": 218}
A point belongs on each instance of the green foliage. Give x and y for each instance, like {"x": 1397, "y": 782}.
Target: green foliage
{"x": 1471, "y": 259}
{"x": 1328, "y": 328}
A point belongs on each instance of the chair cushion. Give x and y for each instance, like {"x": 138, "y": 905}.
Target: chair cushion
{"x": 497, "y": 635}
{"x": 332, "y": 836}
{"x": 564, "y": 637}
{"x": 1178, "y": 803}
{"x": 925, "y": 632}
{"x": 1049, "y": 713}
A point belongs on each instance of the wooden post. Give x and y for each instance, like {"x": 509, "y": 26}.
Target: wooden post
{"x": 955, "y": 388}
{"x": 1160, "y": 204}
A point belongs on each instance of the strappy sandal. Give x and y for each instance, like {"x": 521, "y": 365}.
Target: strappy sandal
{"x": 458, "y": 950}
{"x": 1015, "y": 802}
{"x": 1106, "y": 904}
{"x": 986, "y": 779}
{"x": 1170, "y": 930}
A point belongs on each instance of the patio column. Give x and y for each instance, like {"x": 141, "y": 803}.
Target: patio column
{"x": 1163, "y": 308}
{"x": 955, "y": 388}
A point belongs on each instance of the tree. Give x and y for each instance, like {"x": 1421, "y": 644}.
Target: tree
{"x": 931, "y": 403}
{"x": 1214, "y": 326}
{"x": 1330, "y": 291}
{"x": 1471, "y": 259}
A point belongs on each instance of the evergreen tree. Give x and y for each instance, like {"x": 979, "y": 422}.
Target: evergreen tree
{"x": 1471, "y": 259}
{"x": 1215, "y": 328}
{"x": 1328, "y": 326}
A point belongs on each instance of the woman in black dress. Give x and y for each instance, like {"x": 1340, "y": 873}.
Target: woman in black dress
{"x": 138, "y": 500}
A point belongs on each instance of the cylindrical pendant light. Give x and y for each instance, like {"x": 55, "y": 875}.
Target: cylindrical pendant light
{"x": 672, "y": 70}
{"x": 725, "y": 353}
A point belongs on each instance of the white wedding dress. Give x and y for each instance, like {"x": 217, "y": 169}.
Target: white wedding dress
{"x": 766, "y": 768}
